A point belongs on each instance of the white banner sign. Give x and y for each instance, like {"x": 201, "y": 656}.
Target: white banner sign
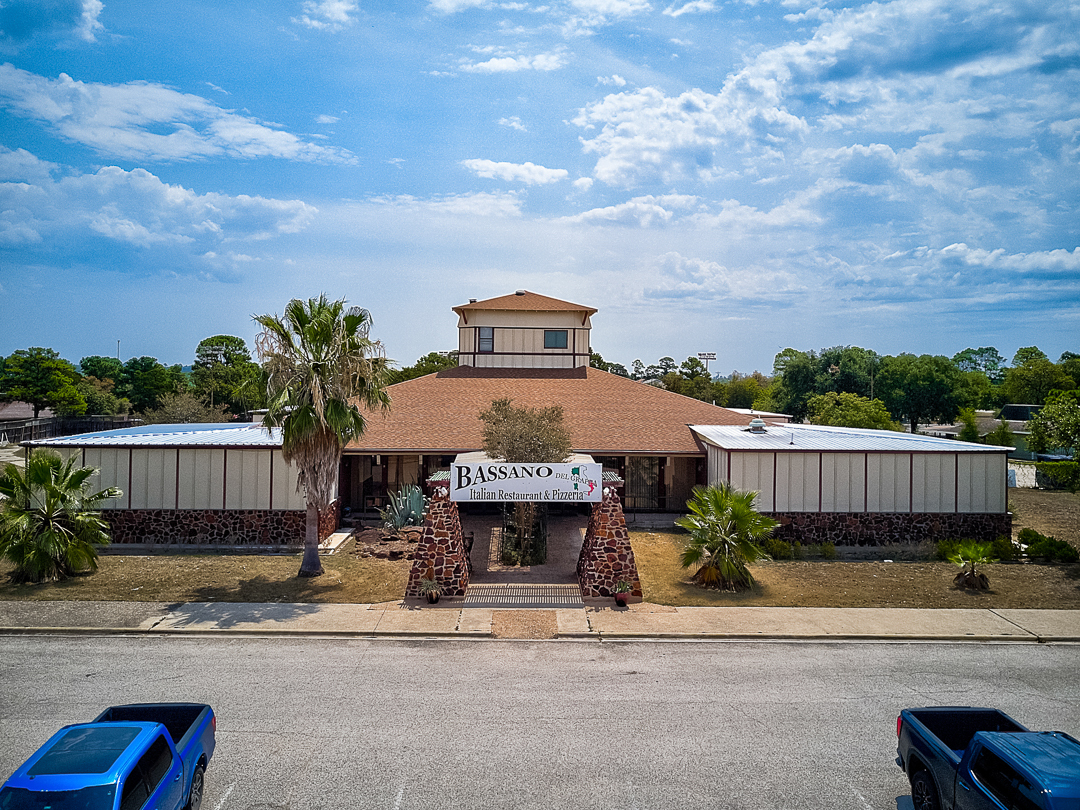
{"x": 502, "y": 481}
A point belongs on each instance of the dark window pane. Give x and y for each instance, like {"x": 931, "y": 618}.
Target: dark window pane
{"x": 554, "y": 338}
{"x": 487, "y": 339}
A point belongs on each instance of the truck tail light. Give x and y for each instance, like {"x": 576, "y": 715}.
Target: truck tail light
{"x": 213, "y": 723}
{"x": 899, "y": 724}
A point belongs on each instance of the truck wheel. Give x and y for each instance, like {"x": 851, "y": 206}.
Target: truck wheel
{"x": 195, "y": 800}
{"x": 923, "y": 792}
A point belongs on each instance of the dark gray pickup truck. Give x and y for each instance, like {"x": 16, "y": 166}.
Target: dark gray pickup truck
{"x": 966, "y": 758}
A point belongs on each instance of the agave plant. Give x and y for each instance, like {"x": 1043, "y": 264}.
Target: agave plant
{"x": 49, "y": 523}
{"x": 406, "y": 508}
{"x": 969, "y": 555}
{"x": 725, "y": 533}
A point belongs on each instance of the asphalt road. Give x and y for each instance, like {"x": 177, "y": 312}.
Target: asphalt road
{"x": 306, "y": 723}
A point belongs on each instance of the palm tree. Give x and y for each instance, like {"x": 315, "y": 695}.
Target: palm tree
{"x": 49, "y": 523}
{"x": 724, "y": 535}
{"x": 321, "y": 370}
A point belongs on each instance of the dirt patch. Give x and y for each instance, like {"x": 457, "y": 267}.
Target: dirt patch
{"x": 377, "y": 543}
{"x": 524, "y": 624}
{"x": 1048, "y": 512}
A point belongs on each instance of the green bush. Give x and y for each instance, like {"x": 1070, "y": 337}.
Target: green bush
{"x": 1054, "y": 550}
{"x": 947, "y": 549}
{"x": 777, "y": 548}
{"x": 797, "y": 551}
{"x": 1028, "y": 536}
{"x": 1058, "y": 475}
{"x": 828, "y": 550}
{"x": 1003, "y": 548}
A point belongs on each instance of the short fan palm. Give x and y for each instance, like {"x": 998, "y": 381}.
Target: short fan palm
{"x": 725, "y": 531}
{"x": 49, "y": 523}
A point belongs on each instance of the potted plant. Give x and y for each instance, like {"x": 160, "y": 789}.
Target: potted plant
{"x": 622, "y": 592}
{"x": 431, "y": 589}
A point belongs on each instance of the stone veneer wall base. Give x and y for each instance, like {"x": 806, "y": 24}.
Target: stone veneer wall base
{"x": 215, "y": 527}
{"x": 440, "y": 552}
{"x": 887, "y": 528}
{"x": 606, "y": 556}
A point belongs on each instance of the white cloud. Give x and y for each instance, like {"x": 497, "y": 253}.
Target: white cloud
{"x": 615, "y": 79}
{"x": 642, "y": 212}
{"x": 693, "y": 7}
{"x": 89, "y": 25}
{"x": 1054, "y": 262}
{"x": 528, "y": 173}
{"x": 610, "y": 8}
{"x": 454, "y": 6}
{"x": 23, "y": 20}
{"x": 513, "y": 122}
{"x": 479, "y": 204}
{"x": 327, "y": 15}
{"x": 679, "y": 276}
{"x": 126, "y": 120}
{"x": 583, "y": 183}
{"x": 327, "y": 119}
{"x": 132, "y": 208}
{"x": 513, "y": 64}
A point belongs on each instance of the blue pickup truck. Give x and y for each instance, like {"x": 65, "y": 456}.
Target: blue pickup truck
{"x": 966, "y": 758}
{"x": 145, "y": 755}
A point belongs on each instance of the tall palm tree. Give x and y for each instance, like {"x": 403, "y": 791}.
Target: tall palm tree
{"x": 724, "y": 535}
{"x": 49, "y": 523}
{"x": 322, "y": 370}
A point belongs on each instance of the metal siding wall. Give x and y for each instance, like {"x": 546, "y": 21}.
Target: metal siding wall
{"x": 842, "y": 482}
{"x": 798, "y": 475}
{"x": 296, "y": 500}
{"x": 754, "y": 471}
{"x": 984, "y": 490}
{"x": 248, "y": 475}
{"x": 997, "y": 497}
{"x": 935, "y": 483}
{"x": 888, "y": 489}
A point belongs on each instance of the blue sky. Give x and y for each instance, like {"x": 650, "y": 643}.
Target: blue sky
{"x": 736, "y": 177}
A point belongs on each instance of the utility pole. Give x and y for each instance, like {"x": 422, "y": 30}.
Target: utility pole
{"x": 706, "y": 356}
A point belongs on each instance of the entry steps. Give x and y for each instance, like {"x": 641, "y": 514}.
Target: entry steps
{"x": 523, "y": 596}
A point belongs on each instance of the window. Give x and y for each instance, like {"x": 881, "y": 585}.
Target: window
{"x": 486, "y": 339}
{"x": 148, "y": 772}
{"x": 554, "y": 338}
{"x": 1003, "y": 783}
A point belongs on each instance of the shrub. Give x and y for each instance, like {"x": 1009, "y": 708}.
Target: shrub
{"x": 947, "y": 549}
{"x": 1054, "y": 550}
{"x": 1003, "y": 548}
{"x": 797, "y": 551}
{"x": 1058, "y": 475}
{"x": 969, "y": 555}
{"x": 777, "y": 549}
{"x": 828, "y": 550}
{"x": 406, "y": 508}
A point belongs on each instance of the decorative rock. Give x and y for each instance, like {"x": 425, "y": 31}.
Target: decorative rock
{"x": 606, "y": 556}
{"x": 440, "y": 552}
{"x": 886, "y": 528}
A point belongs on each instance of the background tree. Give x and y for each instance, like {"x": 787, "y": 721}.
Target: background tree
{"x": 49, "y": 523}
{"x": 100, "y": 397}
{"x": 144, "y": 380}
{"x": 1001, "y": 436}
{"x": 223, "y": 373}
{"x": 430, "y": 363}
{"x": 1069, "y": 362}
{"x": 974, "y": 390}
{"x": 322, "y": 372}
{"x": 985, "y": 359}
{"x": 919, "y": 388}
{"x": 1057, "y": 425}
{"x": 970, "y": 430}
{"x": 104, "y": 368}
{"x": 1032, "y": 381}
{"x": 725, "y": 533}
{"x": 1028, "y": 353}
{"x": 43, "y": 379}
{"x": 849, "y": 410}
{"x": 596, "y": 361}
{"x": 525, "y": 435}
{"x": 185, "y": 408}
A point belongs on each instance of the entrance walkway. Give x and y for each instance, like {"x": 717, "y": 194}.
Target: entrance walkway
{"x": 565, "y": 536}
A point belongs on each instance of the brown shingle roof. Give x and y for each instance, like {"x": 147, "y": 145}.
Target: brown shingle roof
{"x": 528, "y": 301}
{"x": 607, "y": 414}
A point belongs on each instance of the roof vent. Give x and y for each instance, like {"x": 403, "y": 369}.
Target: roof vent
{"x": 757, "y": 426}
{"x": 472, "y": 300}
{"x": 519, "y": 292}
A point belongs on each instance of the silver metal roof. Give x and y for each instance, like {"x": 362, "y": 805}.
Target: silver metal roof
{"x": 816, "y": 438}
{"x": 200, "y": 435}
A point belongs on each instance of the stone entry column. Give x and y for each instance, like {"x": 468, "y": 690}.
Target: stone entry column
{"x": 606, "y": 556}
{"x": 440, "y": 553}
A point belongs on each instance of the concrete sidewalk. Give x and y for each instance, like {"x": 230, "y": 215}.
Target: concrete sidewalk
{"x": 448, "y": 619}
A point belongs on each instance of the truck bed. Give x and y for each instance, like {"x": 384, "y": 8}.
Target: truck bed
{"x": 178, "y": 718}
{"x": 955, "y": 726}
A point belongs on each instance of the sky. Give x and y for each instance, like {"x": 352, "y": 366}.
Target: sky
{"x": 736, "y": 177}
